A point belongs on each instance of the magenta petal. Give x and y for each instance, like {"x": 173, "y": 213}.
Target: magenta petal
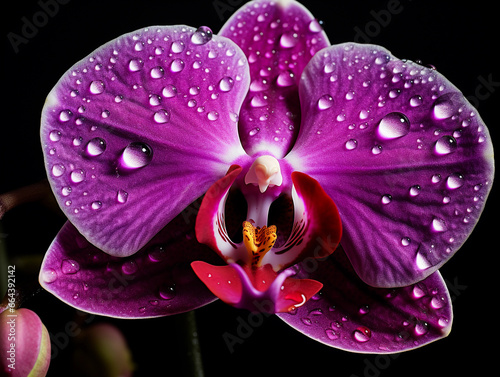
{"x": 278, "y": 40}
{"x": 156, "y": 281}
{"x": 140, "y": 128}
{"x": 407, "y": 160}
{"x": 350, "y": 315}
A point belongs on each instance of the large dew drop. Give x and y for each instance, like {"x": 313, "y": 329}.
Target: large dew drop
{"x": 289, "y": 40}
{"x": 444, "y": 107}
{"x": 226, "y": 84}
{"x": 201, "y": 36}
{"x": 136, "y": 155}
{"x": 393, "y": 125}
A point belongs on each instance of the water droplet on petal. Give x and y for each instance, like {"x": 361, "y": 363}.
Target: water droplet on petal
{"x": 314, "y": 26}
{"x": 96, "y": 87}
{"x": 226, "y": 84}
{"x": 377, "y": 149}
{"x": 129, "y": 267}
{"x": 177, "y": 65}
{"x": 213, "y": 115}
{"x": 445, "y": 145}
{"x": 77, "y": 175}
{"x": 416, "y": 101}
{"x": 161, "y": 116}
{"x": 455, "y": 181}
{"x": 421, "y": 328}
{"x": 169, "y": 91}
{"x": 65, "y": 115}
{"x": 438, "y": 225}
{"x": 444, "y": 107}
{"x": 136, "y": 155}
{"x": 436, "y": 178}
{"x": 394, "y": 125}
{"x": 135, "y": 65}
{"x": 157, "y": 253}
{"x": 288, "y": 39}
{"x": 351, "y": 144}
{"x": 285, "y": 79}
{"x": 415, "y": 190}
{"x": 386, "y": 199}
{"x": 177, "y": 47}
{"x": 405, "y": 241}
{"x": 49, "y": 275}
{"x": 332, "y": 334}
{"x": 201, "y": 36}
{"x": 325, "y": 102}
{"x": 362, "y": 334}
{"x": 167, "y": 291}
{"x": 438, "y": 302}
{"x": 418, "y": 292}
{"x": 96, "y": 205}
{"x": 422, "y": 262}
{"x": 122, "y": 196}
{"x": 58, "y": 170}
{"x": 364, "y": 310}
{"x": 69, "y": 266}
{"x": 96, "y": 147}
{"x": 55, "y": 135}
{"x": 157, "y": 72}
{"x": 306, "y": 321}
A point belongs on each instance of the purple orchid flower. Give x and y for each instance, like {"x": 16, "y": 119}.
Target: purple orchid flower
{"x": 305, "y": 143}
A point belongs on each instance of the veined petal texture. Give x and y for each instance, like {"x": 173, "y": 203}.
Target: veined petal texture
{"x": 407, "y": 160}
{"x": 140, "y": 128}
{"x": 278, "y": 38}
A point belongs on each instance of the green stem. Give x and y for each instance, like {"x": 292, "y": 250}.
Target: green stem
{"x": 189, "y": 341}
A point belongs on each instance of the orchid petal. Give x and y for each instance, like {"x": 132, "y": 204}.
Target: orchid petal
{"x": 156, "y": 281}
{"x": 279, "y": 40}
{"x": 350, "y": 315}
{"x": 405, "y": 157}
{"x": 140, "y": 128}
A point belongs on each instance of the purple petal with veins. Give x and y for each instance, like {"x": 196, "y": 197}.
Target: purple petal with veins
{"x": 156, "y": 281}
{"x": 140, "y": 128}
{"x": 278, "y": 40}
{"x": 350, "y": 315}
{"x": 407, "y": 160}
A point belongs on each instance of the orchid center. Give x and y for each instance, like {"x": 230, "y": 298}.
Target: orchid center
{"x": 258, "y": 241}
{"x": 264, "y": 172}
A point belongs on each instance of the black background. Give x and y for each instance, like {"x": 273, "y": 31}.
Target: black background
{"x": 460, "y": 38}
